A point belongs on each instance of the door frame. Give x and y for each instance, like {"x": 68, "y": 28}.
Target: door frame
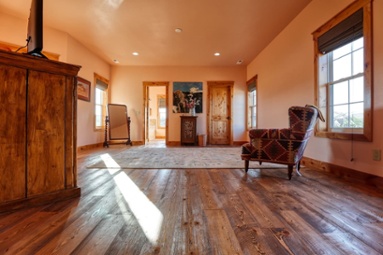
{"x": 146, "y": 85}
{"x": 230, "y": 86}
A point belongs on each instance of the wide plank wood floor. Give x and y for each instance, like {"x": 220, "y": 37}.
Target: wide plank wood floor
{"x": 200, "y": 211}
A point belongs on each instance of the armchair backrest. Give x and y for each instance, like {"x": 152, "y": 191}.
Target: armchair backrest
{"x": 302, "y": 121}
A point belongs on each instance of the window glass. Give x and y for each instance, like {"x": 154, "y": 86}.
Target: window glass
{"x": 101, "y": 101}
{"x": 161, "y": 104}
{"x": 346, "y": 85}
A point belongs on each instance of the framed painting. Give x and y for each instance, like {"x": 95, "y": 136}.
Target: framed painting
{"x": 187, "y": 95}
{"x": 83, "y": 89}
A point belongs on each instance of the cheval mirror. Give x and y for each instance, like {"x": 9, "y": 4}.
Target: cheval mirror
{"x": 117, "y": 124}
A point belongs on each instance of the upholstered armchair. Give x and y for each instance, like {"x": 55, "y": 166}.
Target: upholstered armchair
{"x": 282, "y": 146}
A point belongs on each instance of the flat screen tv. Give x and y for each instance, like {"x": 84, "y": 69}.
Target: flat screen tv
{"x": 35, "y": 29}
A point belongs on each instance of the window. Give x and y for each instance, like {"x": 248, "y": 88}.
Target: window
{"x": 101, "y": 101}
{"x": 161, "y": 103}
{"x": 343, "y": 74}
{"x": 252, "y": 103}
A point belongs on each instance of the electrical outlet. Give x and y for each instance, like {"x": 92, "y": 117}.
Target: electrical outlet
{"x": 376, "y": 154}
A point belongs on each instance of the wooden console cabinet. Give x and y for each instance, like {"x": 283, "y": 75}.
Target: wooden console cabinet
{"x": 38, "y": 111}
{"x": 189, "y": 130}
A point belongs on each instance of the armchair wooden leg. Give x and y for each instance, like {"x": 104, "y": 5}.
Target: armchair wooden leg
{"x": 290, "y": 169}
{"x": 246, "y": 165}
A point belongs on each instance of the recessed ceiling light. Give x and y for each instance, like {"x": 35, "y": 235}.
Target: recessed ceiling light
{"x": 116, "y": 61}
{"x": 178, "y": 30}
{"x": 239, "y": 62}
{"x": 135, "y": 53}
{"x": 217, "y": 54}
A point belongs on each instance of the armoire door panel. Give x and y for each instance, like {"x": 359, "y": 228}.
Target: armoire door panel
{"x": 12, "y": 132}
{"x": 46, "y": 133}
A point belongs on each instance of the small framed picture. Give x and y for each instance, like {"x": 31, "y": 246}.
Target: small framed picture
{"x": 83, "y": 89}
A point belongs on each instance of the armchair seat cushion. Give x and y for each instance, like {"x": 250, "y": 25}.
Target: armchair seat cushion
{"x": 283, "y": 151}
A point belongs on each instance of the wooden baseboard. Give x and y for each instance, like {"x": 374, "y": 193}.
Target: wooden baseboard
{"x": 99, "y": 145}
{"x": 173, "y": 143}
{"x": 239, "y": 143}
{"x": 345, "y": 173}
{"x": 89, "y": 146}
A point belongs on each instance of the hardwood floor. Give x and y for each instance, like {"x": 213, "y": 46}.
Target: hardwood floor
{"x": 191, "y": 211}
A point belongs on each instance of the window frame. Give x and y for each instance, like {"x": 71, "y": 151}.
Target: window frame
{"x": 322, "y": 90}
{"x": 159, "y": 98}
{"x": 105, "y": 103}
{"x": 251, "y": 83}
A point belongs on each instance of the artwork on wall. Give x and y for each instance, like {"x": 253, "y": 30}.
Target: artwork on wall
{"x": 83, "y": 89}
{"x": 187, "y": 95}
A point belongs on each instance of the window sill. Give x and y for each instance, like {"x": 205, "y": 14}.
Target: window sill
{"x": 364, "y": 137}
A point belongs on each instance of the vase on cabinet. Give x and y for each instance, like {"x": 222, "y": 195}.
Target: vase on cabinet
{"x": 192, "y": 111}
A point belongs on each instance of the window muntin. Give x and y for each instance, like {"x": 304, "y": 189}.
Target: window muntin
{"x": 346, "y": 86}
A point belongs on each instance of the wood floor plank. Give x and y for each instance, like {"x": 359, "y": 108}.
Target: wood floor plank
{"x": 96, "y": 243}
{"x": 198, "y": 212}
{"x": 223, "y": 239}
{"x": 194, "y": 218}
{"x": 208, "y": 196}
{"x": 262, "y": 207}
{"x": 317, "y": 243}
{"x": 170, "y": 206}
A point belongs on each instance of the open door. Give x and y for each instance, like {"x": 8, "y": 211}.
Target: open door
{"x": 156, "y": 111}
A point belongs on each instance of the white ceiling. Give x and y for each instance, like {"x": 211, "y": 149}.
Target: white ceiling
{"x": 114, "y": 29}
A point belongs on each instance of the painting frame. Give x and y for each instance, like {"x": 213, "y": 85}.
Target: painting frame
{"x": 83, "y": 89}
{"x": 183, "y": 92}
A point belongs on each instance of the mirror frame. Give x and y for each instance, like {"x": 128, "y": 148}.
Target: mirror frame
{"x": 109, "y": 120}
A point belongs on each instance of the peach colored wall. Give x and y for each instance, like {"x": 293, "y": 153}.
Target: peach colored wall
{"x": 13, "y": 30}
{"x": 285, "y": 70}
{"x": 127, "y": 88}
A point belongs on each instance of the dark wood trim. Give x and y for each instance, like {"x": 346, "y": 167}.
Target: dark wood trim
{"x": 173, "y": 143}
{"x": 89, "y": 147}
{"x": 239, "y": 143}
{"x": 100, "y": 145}
{"x": 345, "y": 173}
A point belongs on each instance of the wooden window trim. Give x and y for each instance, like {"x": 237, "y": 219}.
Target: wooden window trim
{"x": 248, "y": 83}
{"x": 323, "y": 129}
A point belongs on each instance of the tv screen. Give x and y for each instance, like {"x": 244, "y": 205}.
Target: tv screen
{"x": 35, "y": 29}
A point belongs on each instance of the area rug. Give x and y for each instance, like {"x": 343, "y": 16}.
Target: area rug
{"x": 177, "y": 158}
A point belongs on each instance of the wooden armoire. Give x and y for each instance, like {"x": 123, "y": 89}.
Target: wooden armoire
{"x": 38, "y": 108}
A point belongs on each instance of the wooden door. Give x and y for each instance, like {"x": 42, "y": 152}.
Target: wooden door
{"x": 46, "y": 132}
{"x": 219, "y": 115}
{"x": 12, "y": 132}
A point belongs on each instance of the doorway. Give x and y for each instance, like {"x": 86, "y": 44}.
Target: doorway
{"x": 220, "y": 94}
{"x": 156, "y": 112}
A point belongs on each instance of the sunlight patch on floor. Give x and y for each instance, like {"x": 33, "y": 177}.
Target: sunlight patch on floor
{"x": 145, "y": 212}
{"x": 110, "y": 163}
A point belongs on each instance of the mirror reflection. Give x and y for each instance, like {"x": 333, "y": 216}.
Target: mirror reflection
{"x": 118, "y": 123}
